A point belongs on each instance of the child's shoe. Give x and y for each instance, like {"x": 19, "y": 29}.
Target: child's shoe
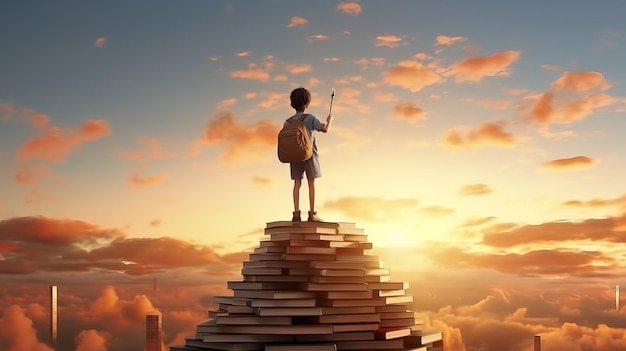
{"x": 313, "y": 217}
{"x": 296, "y": 216}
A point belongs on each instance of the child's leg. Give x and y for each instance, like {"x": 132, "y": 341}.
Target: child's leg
{"x": 296, "y": 194}
{"x": 311, "y": 194}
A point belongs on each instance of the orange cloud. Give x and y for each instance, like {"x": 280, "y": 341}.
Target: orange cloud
{"x": 474, "y": 69}
{"x": 409, "y": 112}
{"x": 546, "y": 110}
{"x": 446, "y": 40}
{"x": 576, "y": 162}
{"x": 411, "y": 75}
{"x": 331, "y": 59}
{"x": 262, "y": 181}
{"x": 390, "y": 41}
{"x": 621, "y": 200}
{"x": 243, "y": 54}
{"x": 31, "y": 174}
{"x": 483, "y": 135}
{"x": 252, "y": 73}
{"x": 372, "y": 208}
{"x": 350, "y": 8}
{"x": 138, "y": 180}
{"x": 475, "y": 189}
{"x": 297, "y": 21}
{"x": 297, "y": 69}
{"x": 92, "y": 340}
{"x": 373, "y": 61}
{"x": 56, "y": 143}
{"x": 581, "y": 81}
{"x": 100, "y": 42}
{"x": 240, "y": 139}
{"x": 17, "y": 332}
{"x": 155, "y": 223}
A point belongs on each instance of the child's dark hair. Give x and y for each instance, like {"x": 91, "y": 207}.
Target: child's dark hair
{"x": 300, "y": 99}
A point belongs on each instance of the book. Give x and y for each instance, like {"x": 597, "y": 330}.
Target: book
{"x": 235, "y": 346}
{"x": 265, "y": 256}
{"x": 278, "y": 278}
{"x": 388, "y": 286}
{"x": 348, "y": 310}
{"x": 385, "y": 293}
{"x": 397, "y": 322}
{"x": 237, "y": 285}
{"x": 303, "y": 236}
{"x": 371, "y": 345}
{"x": 351, "y": 251}
{"x": 354, "y": 244}
{"x": 311, "y": 250}
{"x": 270, "y": 249}
{"x": 391, "y": 308}
{"x": 377, "y": 278}
{"x": 342, "y": 273}
{"x": 215, "y": 313}
{"x": 262, "y": 271}
{"x": 341, "y": 328}
{"x": 396, "y": 315}
{"x": 337, "y": 265}
{"x": 340, "y": 319}
{"x": 418, "y": 338}
{"x": 275, "y": 264}
{"x": 229, "y": 300}
{"x": 350, "y": 303}
{"x": 275, "y": 294}
{"x": 392, "y": 333}
{"x": 235, "y": 308}
{"x": 302, "y": 347}
{"x": 358, "y": 258}
{"x": 377, "y": 271}
{"x": 310, "y": 243}
{"x": 251, "y": 319}
{"x": 366, "y": 335}
{"x": 398, "y": 299}
{"x": 351, "y": 231}
{"x": 308, "y": 257}
{"x": 353, "y": 237}
{"x": 281, "y": 303}
{"x": 325, "y": 279}
{"x": 266, "y": 329}
{"x": 288, "y": 311}
{"x": 336, "y": 287}
{"x": 246, "y": 338}
{"x": 289, "y": 224}
{"x": 299, "y": 230}
{"x": 335, "y": 295}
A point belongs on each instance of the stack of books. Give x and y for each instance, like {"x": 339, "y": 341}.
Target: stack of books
{"x": 313, "y": 286}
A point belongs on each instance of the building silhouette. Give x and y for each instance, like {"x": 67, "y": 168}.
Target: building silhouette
{"x": 53, "y": 316}
{"x": 153, "y": 332}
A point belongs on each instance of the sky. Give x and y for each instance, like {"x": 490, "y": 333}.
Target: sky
{"x": 479, "y": 144}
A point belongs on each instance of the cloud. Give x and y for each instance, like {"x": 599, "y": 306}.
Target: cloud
{"x": 55, "y": 143}
{"x": 581, "y": 81}
{"x": 475, "y": 189}
{"x": 571, "y": 163}
{"x": 372, "y": 61}
{"x": 17, "y": 332}
{"x": 297, "y": 69}
{"x": 318, "y": 37}
{"x": 32, "y": 174}
{"x": 446, "y": 40}
{"x": 411, "y": 75}
{"x": 436, "y": 211}
{"x": 297, "y": 21}
{"x": 262, "y": 181}
{"x": 100, "y": 42}
{"x": 390, "y": 41}
{"x": 29, "y": 245}
{"x": 494, "y": 104}
{"x": 484, "y": 135}
{"x": 243, "y": 54}
{"x": 409, "y": 112}
{"x": 92, "y": 340}
{"x": 253, "y": 73}
{"x": 332, "y": 59}
{"x": 9, "y": 111}
{"x": 607, "y": 230}
{"x": 475, "y": 68}
{"x": 241, "y": 140}
{"x": 138, "y": 180}
{"x": 621, "y": 200}
{"x": 350, "y": 8}
{"x": 372, "y": 208}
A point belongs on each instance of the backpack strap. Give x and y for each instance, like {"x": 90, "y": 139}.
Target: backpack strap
{"x": 301, "y": 119}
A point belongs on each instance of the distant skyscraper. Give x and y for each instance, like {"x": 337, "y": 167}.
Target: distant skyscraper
{"x": 53, "y": 316}
{"x": 537, "y": 342}
{"x": 153, "y": 332}
{"x": 617, "y": 297}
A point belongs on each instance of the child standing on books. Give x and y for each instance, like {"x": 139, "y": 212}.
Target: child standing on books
{"x": 300, "y": 100}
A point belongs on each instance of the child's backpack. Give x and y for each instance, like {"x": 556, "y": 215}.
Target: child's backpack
{"x": 294, "y": 143}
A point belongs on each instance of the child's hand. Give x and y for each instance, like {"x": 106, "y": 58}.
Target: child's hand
{"x": 329, "y": 118}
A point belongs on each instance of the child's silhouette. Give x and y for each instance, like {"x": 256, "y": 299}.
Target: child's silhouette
{"x": 300, "y": 100}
